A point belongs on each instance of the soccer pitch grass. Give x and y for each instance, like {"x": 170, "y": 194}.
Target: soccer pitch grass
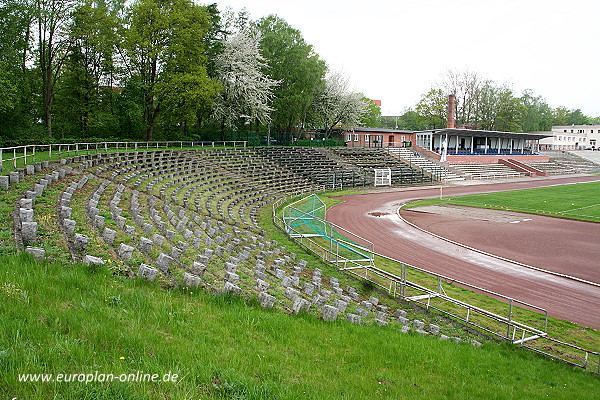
{"x": 579, "y": 201}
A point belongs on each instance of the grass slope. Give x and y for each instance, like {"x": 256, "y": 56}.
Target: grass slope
{"x": 578, "y": 201}
{"x": 66, "y": 319}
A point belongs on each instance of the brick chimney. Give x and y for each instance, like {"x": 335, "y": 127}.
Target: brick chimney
{"x": 451, "y": 107}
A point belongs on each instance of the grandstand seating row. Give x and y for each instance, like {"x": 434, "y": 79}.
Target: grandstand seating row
{"x": 174, "y": 217}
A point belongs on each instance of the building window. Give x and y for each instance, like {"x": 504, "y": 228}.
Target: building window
{"x": 356, "y": 137}
{"x": 348, "y": 137}
{"x": 367, "y": 138}
{"x": 564, "y": 130}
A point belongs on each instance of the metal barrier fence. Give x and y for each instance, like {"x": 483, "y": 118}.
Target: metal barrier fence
{"x": 343, "y": 248}
{"x": 29, "y": 151}
{"x": 400, "y": 286}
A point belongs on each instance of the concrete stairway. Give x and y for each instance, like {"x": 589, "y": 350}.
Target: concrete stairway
{"x": 567, "y": 163}
{"x": 589, "y": 155}
{"x": 486, "y": 171}
{"x": 433, "y": 168}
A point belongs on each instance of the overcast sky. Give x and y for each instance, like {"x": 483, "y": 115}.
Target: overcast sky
{"x": 395, "y": 51}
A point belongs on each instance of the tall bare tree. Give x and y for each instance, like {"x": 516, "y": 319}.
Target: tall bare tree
{"x": 466, "y": 86}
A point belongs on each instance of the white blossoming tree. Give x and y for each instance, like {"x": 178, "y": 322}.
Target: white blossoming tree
{"x": 336, "y": 104}
{"x": 247, "y": 91}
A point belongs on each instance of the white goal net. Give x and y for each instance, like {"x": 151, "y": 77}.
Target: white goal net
{"x": 383, "y": 177}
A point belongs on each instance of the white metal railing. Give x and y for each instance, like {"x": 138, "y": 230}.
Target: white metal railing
{"x": 364, "y": 250}
{"x": 28, "y": 152}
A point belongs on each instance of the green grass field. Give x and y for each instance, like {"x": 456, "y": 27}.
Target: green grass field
{"x": 57, "y": 319}
{"x": 577, "y": 201}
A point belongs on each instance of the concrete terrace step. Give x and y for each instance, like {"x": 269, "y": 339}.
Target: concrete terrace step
{"x": 486, "y": 171}
{"x": 592, "y": 156}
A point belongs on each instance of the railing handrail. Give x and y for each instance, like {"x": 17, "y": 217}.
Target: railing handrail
{"x": 105, "y": 146}
{"x": 121, "y": 142}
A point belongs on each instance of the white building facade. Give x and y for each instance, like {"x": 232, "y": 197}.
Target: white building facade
{"x": 572, "y": 137}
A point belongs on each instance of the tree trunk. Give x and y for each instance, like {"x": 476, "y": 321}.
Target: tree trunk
{"x": 25, "y": 47}
{"x": 223, "y": 129}
{"x": 47, "y": 97}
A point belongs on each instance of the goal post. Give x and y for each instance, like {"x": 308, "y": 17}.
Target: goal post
{"x": 383, "y": 177}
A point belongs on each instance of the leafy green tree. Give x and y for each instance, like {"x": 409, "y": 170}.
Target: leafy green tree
{"x": 186, "y": 95}
{"x": 432, "y": 109}
{"x": 294, "y": 63}
{"x": 560, "y": 116}
{"x": 372, "y": 114}
{"x": 577, "y": 117}
{"x": 52, "y": 18}
{"x": 86, "y": 97}
{"x": 595, "y": 120}
{"x": 16, "y": 18}
{"x": 410, "y": 120}
{"x": 537, "y": 115}
{"x": 165, "y": 45}
{"x": 497, "y": 108}
{"x": 19, "y": 108}
{"x": 8, "y": 90}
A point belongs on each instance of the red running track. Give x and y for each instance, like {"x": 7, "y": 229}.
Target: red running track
{"x": 374, "y": 217}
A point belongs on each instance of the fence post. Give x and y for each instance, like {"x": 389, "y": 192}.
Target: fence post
{"x": 15, "y": 158}
{"x": 76, "y": 149}
{"x": 510, "y": 310}
{"x": 1, "y": 160}
{"x": 403, "y": 277}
